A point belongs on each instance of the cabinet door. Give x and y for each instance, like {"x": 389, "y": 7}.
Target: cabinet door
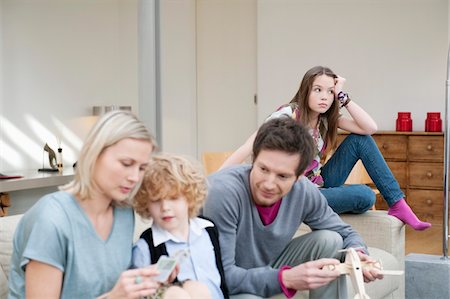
{"x": 426, "y": 148}
{"x": 426, "y": 175}
{"x": 392, "y": 147}
{"x": 427, "y": 204}
{"x": 399, "y": 170}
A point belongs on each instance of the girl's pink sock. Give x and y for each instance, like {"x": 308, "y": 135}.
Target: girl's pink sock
{"x": 402, "y": 211}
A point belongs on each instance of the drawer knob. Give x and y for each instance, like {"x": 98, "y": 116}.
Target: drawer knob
{"x": 384, "y": 146}
{"x": 429, "y": 174}
{"x": 429, "y": 202}
{"x": 429, "y": 147}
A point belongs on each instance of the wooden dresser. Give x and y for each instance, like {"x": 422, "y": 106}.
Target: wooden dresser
{"x": 416, "y": 160}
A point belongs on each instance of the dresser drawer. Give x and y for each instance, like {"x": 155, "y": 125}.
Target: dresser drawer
{"x": 426, "y": 148}
{"x": 426, "y": 175}
{"x": 399, "y": 170}
{"x": 392, "y": 147}
{"x": 427, "y": 204}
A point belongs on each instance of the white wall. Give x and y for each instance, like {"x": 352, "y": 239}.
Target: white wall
{"x": 393, "y": 53}
{"x": 178, "y": 76}
{"x": 60, "y": 58}
{"x": 226, "y": 70}
{"x": 208, "y": 68}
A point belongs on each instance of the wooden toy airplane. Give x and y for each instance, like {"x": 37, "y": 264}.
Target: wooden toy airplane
{"x": 353, "y": 266}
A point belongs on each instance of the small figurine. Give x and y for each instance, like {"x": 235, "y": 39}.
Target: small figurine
{"x": 51, "y": 156}
{"x": 353, "y": 266}
{"x": 51, "y": 159}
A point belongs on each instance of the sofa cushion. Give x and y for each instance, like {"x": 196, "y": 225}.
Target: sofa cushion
{"x": 7, "y": 228}
{"x": 140, "y": 226}
{"x": 3, "y": 284}
{"x": 390, "y": 283}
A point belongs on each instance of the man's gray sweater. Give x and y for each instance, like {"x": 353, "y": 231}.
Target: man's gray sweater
{"x": 248, "y": 246}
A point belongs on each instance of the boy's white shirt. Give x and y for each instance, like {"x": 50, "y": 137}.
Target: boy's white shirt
{"x": 196, "y": 225}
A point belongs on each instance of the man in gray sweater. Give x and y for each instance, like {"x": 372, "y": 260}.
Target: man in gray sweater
{"x": 258, "y": 208}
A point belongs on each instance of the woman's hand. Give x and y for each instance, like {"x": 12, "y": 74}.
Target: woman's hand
{"x": 135, "y": 283}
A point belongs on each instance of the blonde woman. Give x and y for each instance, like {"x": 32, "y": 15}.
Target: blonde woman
{"x": 77, "y": 242}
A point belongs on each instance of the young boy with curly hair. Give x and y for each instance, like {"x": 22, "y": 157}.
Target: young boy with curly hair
{"x": 172, "y": 192}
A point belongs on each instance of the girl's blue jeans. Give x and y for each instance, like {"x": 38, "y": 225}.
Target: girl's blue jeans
{"x": 357, "y": 198}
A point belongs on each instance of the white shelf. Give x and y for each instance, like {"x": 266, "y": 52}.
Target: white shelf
{"x": 33, "y": 179}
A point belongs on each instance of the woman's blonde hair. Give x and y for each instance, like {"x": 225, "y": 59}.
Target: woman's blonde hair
{"x": 111, "y": 128}
{"x": 170, "y": 176}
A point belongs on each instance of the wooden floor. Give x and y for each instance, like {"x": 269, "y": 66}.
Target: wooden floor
{"x": 427, "y": 242}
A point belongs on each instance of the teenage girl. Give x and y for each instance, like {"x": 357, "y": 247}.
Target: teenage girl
{"x": 316, "y": 105}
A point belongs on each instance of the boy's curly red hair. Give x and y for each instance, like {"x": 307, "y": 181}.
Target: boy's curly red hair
{"x": 170, "y": 176}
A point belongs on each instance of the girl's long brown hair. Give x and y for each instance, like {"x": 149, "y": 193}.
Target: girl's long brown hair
{"x": 301, "y": 99}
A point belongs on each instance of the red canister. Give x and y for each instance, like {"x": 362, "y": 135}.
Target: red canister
{"x": 433, "y": 123}
{"x": 404, "y": 122}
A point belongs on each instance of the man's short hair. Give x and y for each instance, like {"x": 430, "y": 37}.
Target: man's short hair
{"x": 286, "y": 135}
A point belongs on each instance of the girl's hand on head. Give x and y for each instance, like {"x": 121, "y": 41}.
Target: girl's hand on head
{"x": 338, "y": 85}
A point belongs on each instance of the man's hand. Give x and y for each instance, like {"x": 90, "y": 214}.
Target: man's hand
{"x": 371, "y": 274}
{"x": 310, "y": 275}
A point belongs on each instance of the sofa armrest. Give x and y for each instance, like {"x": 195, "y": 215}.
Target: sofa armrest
{"x": 7, "y": 227}
{"x": 385, "y": 237}
{"x": 380, "y": 230}
{"x": 377, "y": 229}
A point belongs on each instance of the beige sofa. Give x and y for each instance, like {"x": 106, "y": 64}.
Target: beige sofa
{"x": 385, "y": 236}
